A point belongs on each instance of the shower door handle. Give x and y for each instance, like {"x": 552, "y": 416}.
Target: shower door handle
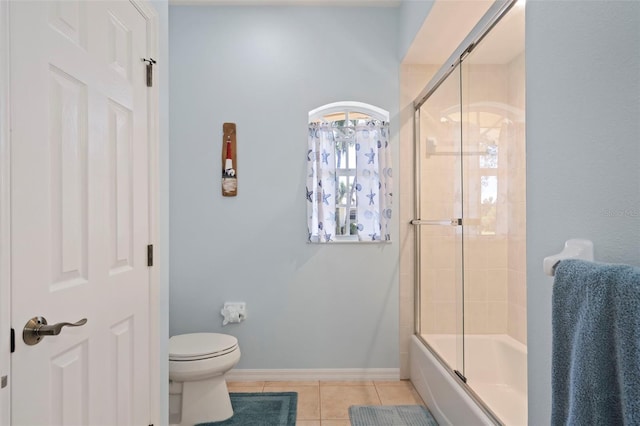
{"x": 444, "y": 222}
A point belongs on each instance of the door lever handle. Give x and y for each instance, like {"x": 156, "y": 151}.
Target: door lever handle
{"x": 37, "y": 328}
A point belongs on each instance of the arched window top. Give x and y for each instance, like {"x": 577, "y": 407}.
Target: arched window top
{"x": 340, "y": 110}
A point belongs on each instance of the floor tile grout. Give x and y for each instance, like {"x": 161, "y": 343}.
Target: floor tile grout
{"x": 377, "y": 393}
{"x": 319, "y": 404}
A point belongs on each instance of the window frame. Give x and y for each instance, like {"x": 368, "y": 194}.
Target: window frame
{"x": 319, "y": 115}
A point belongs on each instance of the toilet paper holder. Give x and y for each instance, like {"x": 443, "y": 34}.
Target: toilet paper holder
{"x": 233, "y": 312}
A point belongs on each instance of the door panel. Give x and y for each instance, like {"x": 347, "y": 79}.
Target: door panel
{"x": 68, "y": 179}
{"x": 80, "y": 212}
{"x": 440, "y": 239}
{"x": 493, "y": 95}
{"x": 120, "y": 190}
{"x": 69, "y": 386}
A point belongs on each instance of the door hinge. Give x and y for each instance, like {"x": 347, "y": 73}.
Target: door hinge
{"x": 13, "y": 340}
{"x": 150, "y": 62}
{"x": 150, "y": 255}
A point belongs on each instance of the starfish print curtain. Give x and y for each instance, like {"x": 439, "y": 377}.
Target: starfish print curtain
{"x": 373, "y": 181}
{"x": 321, "y": 183}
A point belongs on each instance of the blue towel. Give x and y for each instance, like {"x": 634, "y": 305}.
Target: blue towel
{"x": 596, "y": 344}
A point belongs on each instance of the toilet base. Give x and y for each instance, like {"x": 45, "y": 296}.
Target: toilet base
{"x": 205, "y": 401}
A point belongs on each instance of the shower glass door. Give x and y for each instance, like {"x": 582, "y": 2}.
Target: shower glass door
{"x": 492, "y": 85}
{"x": 471, "y": 230}
{"x": 439, "y": 235}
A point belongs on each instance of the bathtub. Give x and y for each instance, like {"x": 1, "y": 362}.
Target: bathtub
{"x": 496, "y": 371}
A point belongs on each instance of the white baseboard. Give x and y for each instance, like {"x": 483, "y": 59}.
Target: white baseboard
{"x": 346, "y": 374}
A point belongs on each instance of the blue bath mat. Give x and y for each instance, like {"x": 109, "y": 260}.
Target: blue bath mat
{"x": 261, "y": 409}
{"x": 390, "y": 415}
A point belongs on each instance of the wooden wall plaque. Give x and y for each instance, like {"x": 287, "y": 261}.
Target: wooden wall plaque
{"x": 229, "y": 161}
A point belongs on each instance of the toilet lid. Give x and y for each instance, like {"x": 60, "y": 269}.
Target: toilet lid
{"x": 200, "y": 345}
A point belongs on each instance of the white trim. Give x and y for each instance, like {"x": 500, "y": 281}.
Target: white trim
{"x": 343, "y": 374}
{"x": 155, "y": 354}
{"x": 349, "y": 106}
{"x": 5, "y": 215}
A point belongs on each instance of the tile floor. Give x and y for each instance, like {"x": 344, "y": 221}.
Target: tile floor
{"x": 327, "y": 403}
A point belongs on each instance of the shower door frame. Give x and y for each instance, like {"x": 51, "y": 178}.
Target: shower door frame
{"x": 453, "y": 366}
{"x": 457, "y": 372}
{"x": 495, "y": 13}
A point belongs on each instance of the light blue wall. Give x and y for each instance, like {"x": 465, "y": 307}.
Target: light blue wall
{"x": 309, "y": 306}
{"x": 583, "y": 151}
{"x": 411, "y": 17}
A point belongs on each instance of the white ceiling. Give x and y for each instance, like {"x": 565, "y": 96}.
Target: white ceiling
{"x": 450, "y": 21}
{"x": 447, "y": 24}
{"x": 504, "y": 42}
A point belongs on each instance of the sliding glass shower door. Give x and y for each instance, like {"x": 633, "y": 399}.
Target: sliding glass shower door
{"x": 470, "y": 226}
{"x": 492, "y": 78}
{"x": 439, "y": 232}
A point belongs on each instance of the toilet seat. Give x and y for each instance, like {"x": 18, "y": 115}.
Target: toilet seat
{"x": 199, "y": 346}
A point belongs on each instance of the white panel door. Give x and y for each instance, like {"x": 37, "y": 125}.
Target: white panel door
{"x": 80, "y": 212}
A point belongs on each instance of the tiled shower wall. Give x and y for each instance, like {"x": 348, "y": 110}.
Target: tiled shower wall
{"x": 516, "y": 172}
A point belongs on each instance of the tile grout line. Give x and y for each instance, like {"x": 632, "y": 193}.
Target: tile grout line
{"x": 319, "y": 403}
{"x": 377, "y": 393}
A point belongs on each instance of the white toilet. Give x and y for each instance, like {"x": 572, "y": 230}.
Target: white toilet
{"x": 198, "y": 362}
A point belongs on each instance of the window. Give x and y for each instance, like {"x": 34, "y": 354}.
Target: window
{"x": 349, "y": 186}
